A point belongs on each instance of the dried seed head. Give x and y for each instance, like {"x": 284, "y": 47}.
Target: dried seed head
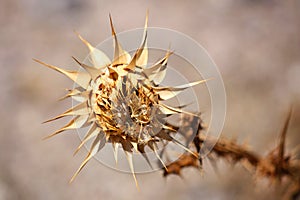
{"x": 121, "y": 101}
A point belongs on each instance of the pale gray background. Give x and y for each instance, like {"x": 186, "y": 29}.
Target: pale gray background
{"x": 254, "y": 43}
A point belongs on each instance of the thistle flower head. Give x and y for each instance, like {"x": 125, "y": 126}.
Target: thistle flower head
{"x": 121, "y": 101}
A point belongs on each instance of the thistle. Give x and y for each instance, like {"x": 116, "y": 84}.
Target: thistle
{"x": 122, "y": 102}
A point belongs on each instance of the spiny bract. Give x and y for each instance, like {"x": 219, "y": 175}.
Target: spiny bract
{"x": 121, "y": 101}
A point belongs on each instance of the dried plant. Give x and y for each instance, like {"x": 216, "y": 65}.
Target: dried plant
{"x": 276, "y": 165}
{"x": 123, "y": 104}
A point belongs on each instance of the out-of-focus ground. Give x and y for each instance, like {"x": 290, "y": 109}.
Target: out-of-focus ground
{"x": 256, "y": 45}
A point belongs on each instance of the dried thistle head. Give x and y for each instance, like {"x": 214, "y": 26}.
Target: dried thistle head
{"x": 122, "y": 101}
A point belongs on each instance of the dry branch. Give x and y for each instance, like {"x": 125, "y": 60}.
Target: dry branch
{"x": 276, "y": 165}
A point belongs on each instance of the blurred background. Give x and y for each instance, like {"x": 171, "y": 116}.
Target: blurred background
{"x": 256, "y": 45}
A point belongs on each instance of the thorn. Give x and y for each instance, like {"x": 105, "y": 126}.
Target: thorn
{"x": 88, "y": 157}
{"x": 111, "y": 25}
{"x": 283, "y": 136}
{"x": 53, "y": 134}
{"x": 130, "y": 162}
{"x": 185, "y": 148}
{"x": 152, "y": 146}
{"x": 116, "y": 149}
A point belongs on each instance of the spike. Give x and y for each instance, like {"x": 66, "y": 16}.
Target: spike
{"x": 81, "y": 78}
{"x": 141, "y": 149}
{"x": 159, "y": 64}
{"x": 115, "y": 149}
{"x": 120, "y": 56}
{"x": 158, "y": 72}
{"x": 138, "y": 54}
{"x": 169, "y": 128}
{"x": 142, "y": 60}
{"x": 77, "y": 95}
{"x": 181, "y": 87}
{"x": 134, "y": 145}
{"x": 99, "y": 59}
{"x": 94, "y": 72}
{"x": 80, "y": 109}
{"x": 167, "y": 111}
{"x": 133, "y": 63}
{"x": 159, "y": 76}
{"x": 152, "y": 146}
{"x": 185, "y": 148}
{"x": 92, "y": 132}
{"x": 170, "y": 92}
{"x": 283, "y": 136}
{"x": 75, "y": 123}
{"x": 97, "y": 145}
{"x": 130, "y": 162}
{"x": 171, "y": 110}
{"x": 71, "y": 93}
{"x": 81, "y": 97}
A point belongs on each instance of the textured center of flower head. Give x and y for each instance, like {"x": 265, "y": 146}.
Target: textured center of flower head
{"x": 125, "y": 107}
{"x": 122, "y": 102}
